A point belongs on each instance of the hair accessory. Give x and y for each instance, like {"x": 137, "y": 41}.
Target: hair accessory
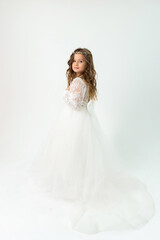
{"x": 84, "y": 53}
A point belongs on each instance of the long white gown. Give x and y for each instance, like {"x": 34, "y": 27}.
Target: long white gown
{"x": 75, "y": 166}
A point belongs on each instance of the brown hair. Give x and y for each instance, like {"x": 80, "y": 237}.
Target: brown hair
{"x": 88, "y": 75}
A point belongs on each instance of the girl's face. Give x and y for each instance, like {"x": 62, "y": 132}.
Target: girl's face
{"x": 79, "y": 64}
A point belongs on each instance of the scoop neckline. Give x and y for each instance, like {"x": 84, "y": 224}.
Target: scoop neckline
{"x": 77, "y": 77}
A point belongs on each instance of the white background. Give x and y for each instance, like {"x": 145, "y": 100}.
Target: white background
{"x": 36, "y": 40}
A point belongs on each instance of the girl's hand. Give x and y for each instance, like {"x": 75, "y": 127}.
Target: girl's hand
{"x": 68, "y": 88}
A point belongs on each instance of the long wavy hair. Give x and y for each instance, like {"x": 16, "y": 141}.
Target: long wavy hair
{"x": 88, "y": 75}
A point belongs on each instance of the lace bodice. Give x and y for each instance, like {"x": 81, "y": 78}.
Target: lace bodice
{"x": 78, "y": 95}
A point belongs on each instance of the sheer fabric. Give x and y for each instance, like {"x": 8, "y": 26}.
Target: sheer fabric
{"x": 75, "y": 165}
{"x": 78, "y": 95}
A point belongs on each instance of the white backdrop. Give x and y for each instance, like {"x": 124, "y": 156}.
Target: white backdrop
{"x": 36, "y": 40}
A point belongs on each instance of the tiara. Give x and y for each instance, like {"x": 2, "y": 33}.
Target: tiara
{"x": 84, "y": 53}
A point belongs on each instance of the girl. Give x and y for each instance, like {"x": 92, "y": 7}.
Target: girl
{"x": 75, "y": 164}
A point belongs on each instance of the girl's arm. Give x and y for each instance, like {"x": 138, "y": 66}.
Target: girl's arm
{"x": 74, "y": 97}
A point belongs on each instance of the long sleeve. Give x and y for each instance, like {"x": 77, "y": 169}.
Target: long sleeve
{"x": 75, "y": 96}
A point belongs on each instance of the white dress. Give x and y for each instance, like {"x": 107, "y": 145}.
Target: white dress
{"x": 75, "y": 165}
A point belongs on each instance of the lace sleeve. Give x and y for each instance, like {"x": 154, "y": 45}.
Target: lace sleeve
{"x": 74, "y": 97}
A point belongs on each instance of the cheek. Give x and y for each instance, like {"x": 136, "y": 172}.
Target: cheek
{"x": 84, "y": 65}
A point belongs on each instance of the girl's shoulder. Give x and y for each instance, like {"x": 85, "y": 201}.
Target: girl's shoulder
{"x": 79, "y": 79}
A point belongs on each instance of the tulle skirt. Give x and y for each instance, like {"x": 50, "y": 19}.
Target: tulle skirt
{"x": 75, "y": 164}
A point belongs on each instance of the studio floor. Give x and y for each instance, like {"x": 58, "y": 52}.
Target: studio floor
{"x": 29, "y": 214}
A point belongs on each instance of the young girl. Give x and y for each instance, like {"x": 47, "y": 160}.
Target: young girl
{"x": 76, "y": 166}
